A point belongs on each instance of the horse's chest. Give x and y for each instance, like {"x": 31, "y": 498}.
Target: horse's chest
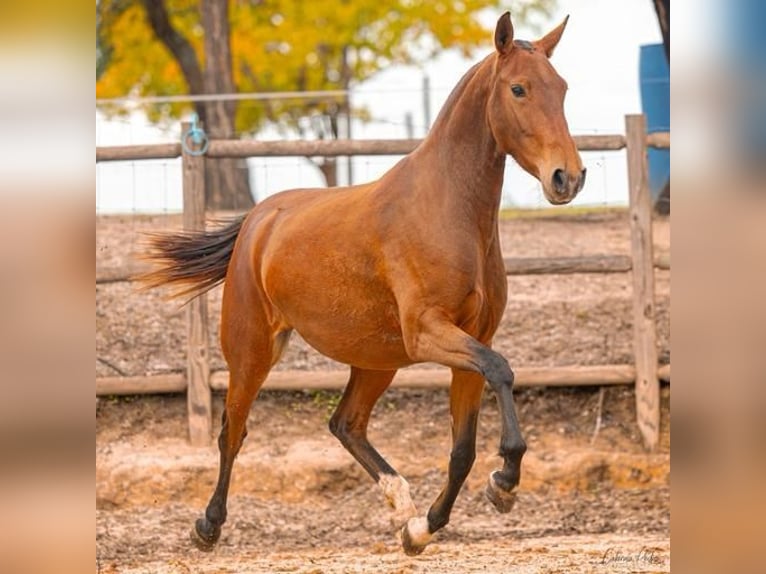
{"x": 483, "y": 306}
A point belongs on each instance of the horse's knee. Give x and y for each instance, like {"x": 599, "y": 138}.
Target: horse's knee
{"x": 495, "y": 368}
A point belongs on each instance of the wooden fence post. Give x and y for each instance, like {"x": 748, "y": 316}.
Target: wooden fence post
{"x": 644, "y": 328}
{"x": 198, "y": 391}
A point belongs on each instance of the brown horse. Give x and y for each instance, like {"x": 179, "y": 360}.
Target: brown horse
{"x": 403, "y": 270}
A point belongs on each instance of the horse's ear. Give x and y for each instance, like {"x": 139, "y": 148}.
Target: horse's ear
{"x": 504, "y": 34}
{"x": 549, "y": 42}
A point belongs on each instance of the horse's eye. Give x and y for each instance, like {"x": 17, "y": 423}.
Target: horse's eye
{"x": 518, "y": 90}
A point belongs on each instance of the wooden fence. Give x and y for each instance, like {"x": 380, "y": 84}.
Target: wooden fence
{"x": 199, "y": 381}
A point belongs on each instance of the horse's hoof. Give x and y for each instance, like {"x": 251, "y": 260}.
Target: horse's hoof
{"x": 501, "y": 499}
{"x": 415, "y": 536}
{"x": 204, "y": 535}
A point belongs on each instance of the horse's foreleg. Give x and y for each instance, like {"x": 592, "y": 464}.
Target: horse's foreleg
{"x": 435, "y": 339}
{"x": 465, "y": 401}
{"x": 349, "y": 425}
{"x": 501, "y": 485}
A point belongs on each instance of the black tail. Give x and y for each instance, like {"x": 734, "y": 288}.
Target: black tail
{"x": 191, "y": 262}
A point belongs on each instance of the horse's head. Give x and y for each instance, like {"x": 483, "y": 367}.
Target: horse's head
{"x": 526, "y": 112}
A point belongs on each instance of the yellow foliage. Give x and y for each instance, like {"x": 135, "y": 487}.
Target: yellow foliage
{"x": 289, "y": 45}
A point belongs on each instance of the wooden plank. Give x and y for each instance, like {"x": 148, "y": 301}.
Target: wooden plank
{"x": 574, "y": 376}
{"x": 513, "y": 266}
{"x": 308, "y": 148}
{"x": 147, "y": 385}
{"x": 136, "y": 152}
{"x": 659, "y": 140}
{"x": 440, "y": 378}
{"x": 406, "y": 378}
{"x": 119, "y": 273}
{"x": 197, "y": 365}
{"x": 662, "y": 261}
{"x": 567, "y": 265}
{"x": 341, "y": 147}
{"x": 579, "y": 264}
{"x": 644, "y": 329}
{"x": 198, "y": 373}
{"x": 300, "y": 148}
{"x": 604, "y": 142}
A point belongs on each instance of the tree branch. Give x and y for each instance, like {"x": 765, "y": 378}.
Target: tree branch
{"x": 217, "y": 76}
{"x": 268, "y": 105}
{"x": 179, "y": 46}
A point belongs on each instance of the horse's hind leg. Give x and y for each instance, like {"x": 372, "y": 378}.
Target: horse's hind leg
{"x": 349, "y": 425}
{"x": 243, "y": 387}
{"x": 250, "y": 358}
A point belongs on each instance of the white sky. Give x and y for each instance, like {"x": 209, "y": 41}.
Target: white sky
{"x": 598, "y": 56}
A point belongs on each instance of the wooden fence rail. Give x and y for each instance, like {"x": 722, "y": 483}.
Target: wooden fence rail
{"x": 294, "y": 380}
{"x": 312, "y": 148}
{"x": 513, "y": 266}
{"x": 198, "y": 382}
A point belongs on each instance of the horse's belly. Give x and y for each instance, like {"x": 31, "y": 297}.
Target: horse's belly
{"x": 364, "y": 334}
{"x": 374, "y": 350}
{"x": 352, "y": 322}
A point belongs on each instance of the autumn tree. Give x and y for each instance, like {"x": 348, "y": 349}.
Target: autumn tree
{"x": 170, "y": 47}
{"x": 157, "y": 47}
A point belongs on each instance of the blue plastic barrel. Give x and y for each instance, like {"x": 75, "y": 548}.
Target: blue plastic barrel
{"x": 654, "y": 75}
{"x": 745, "y": 48}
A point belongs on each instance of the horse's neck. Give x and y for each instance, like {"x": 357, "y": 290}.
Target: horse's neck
{"x": 460, "y": 152}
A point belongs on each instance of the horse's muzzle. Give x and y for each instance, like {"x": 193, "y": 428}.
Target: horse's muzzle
{"x": 566, "y": 186}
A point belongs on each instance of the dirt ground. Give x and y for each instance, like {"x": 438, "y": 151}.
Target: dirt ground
{"x": 299, "y": 503}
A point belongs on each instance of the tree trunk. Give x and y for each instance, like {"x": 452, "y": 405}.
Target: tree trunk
{"x": 662, "y": 7}
{"x": 326, "y": 127}
{"x": 227, "y": 181}
{"x": 329, "y": 169}
{"x": 176, "y": 43}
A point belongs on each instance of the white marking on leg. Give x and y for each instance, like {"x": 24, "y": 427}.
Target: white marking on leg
{"x": 397, "y": 493}
{"x": 417, "y": 528}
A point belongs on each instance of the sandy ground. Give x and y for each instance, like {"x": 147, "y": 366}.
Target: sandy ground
{"x": 299, "y": 503}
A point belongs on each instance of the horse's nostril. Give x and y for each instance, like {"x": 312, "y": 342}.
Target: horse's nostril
{"x": 581, "y": 183}
{"x": 560, "y": 180}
